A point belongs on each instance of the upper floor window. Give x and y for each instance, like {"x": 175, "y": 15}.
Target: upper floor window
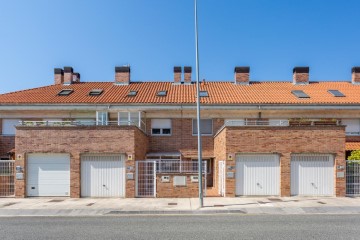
{"x": 352, "y": 126}
{"x": 160, "y": 126}
{"x": 102, "y": 118}
{"x": 8, "y": 126}
{"x": 206, "y": 126}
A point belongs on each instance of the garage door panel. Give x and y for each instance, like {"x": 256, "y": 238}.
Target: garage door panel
{"x": 312, "y": 175}
{"x": 257, "y": 175}
{"x": 102, "y": 176}
{"x": 48, "y": 175}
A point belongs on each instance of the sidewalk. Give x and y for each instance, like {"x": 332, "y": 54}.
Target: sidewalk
{"x": 96, "y": 206}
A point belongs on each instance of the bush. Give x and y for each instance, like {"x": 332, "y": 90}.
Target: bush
{"x": 355, "y": 155}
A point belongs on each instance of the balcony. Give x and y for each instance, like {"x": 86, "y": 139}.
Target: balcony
{"x": 256, "y": 122}
{"x": 140, "y": 124}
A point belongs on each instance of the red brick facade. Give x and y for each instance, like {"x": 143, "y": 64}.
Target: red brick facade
{"x": 127, "y": 140}
{"x": 284, "y": 141}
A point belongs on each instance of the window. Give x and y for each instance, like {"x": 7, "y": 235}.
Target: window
{"x": 65, "y": 92}
{"x": 160, "y": 126}
{"x": 203, "y": 94}
{"x": 206, "y": 126}
{"x": 300, "y": 94}
{"x": 352, "y": 126}
{"x": 336, "y": 93}
{"x": 161, "y": 93}
{"x": 101, "y": 118}
{"x": 95, "y": 92}
{"x": 132, "y": 93}
{"x": 8, "y": 126}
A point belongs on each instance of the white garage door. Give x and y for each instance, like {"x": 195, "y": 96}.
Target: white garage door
{"x": 257, "y": 175}
{"x": 312, "y": 175}
{"x": 102, "y": 176}
{"x": 48, "y": 175}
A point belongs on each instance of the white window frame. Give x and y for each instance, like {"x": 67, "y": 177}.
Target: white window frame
{"x": 13, "y": 129}
{"x": 161, "y": 129}
{"x": 202, "y": 134}
{"x": 99, "y": 118}
{"x": 352, "y": 120}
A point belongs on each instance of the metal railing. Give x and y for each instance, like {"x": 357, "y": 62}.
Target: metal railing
{"x": 252, "y": 122}
{"x": 353, "y": 177}
{"x": 140, "y": 124}
{"x": 176, "y": 166}
{"x": 7, "y": 178}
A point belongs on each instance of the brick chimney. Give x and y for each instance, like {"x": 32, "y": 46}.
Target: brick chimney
{"x": 58, "y": 76}
{"x": 242, "y": 75}
{"x": 355, "y": 76}
{"x": 301, "y": 75}
{"x": 122, "y": 75}
{"x": 187, "y": 75}
{"x": 68, "y": 75}
{"x": 177, "y": 75}
{"x": 76, "y": 77}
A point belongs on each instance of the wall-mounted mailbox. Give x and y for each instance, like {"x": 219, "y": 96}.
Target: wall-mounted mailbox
{"x": 340, "y": 174}
{"x": 194, "y": 178}
{"x": 230, "y": 174}
{"x": 19, "y": 176}
{"x": 165, "y": 179}
{"x": 130, "y": 176}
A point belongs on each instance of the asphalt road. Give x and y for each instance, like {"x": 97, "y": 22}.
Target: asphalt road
{"x": 183, "y": 227}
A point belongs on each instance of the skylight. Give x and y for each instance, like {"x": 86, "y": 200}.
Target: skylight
{"x": 65, "y": 92}
{"x": 161, "y": 93}
{"x": 300, "y": 94}
{"x": 132, "y": 93}
{"x": 203, "y": 94}
{"x": 336, "y": 93}
{"x": 95, "y": 92}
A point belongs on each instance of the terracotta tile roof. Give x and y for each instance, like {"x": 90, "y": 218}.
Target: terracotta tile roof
{"x": 219, "y": 93}
{"x": 349, "y": 146}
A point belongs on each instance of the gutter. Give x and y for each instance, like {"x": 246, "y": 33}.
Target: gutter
{"x": 144, "y": 107}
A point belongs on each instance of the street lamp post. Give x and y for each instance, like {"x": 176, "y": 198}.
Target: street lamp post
{"x": 200, "y": 166}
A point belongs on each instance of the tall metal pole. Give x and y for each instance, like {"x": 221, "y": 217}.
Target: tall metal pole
{"x": 198, "y": 111}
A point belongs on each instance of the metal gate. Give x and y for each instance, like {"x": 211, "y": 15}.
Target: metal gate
{"x": 221, "y": 178}
{"x": 145, "y": 178}
{"x": 353, "y": 177}
{"x": 7, "y": 178}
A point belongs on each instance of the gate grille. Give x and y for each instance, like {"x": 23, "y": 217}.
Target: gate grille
{"x": 353, "y": 177}
{"x": 145, "y": 179}
{"x": 7, "y": 178}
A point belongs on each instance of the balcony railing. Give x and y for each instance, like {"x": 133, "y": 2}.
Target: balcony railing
{"x": 141, "y": 125}
{"x": 176, "y": 166}
{"x": 282, "y": 123}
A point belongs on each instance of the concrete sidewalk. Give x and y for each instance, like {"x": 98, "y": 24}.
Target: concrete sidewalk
{"x": 96, "y": 206}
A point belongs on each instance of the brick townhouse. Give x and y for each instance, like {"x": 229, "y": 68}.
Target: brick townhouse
{"x": 138, "y": 139}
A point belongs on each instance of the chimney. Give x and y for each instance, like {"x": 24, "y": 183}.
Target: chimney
{"x": 301, "y": 75}
{"x": 58, "y": 76}
{"x": 68, "y": 75}
{"x": 355, "y": 76}
{"x": 187, "y": 75}
{"x": 122, "y": 75}
{"x": 76, "y": 77}
{"x": 242, "y": 75}
{"x": 177, "y": 75}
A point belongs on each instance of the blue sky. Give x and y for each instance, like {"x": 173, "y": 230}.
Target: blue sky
{"x": 154, "y": 35}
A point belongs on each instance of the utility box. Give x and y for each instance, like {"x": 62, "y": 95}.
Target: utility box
{"x": 165, "y": 179}
{"x": 194, "y": 178}
{"x": 179, "y": 181}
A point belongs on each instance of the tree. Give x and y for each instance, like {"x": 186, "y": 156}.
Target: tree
{"x": 355, "y": 155}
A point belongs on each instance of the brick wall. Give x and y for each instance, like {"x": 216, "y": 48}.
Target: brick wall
{"x": 182, "y": 139}
{"x": 77, "y": 140}
{"x": 284, "y": 141}
{"x": 168, "y": 190}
